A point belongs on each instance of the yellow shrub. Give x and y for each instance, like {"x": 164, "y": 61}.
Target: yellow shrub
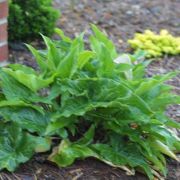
{"x": 156, "y": 45}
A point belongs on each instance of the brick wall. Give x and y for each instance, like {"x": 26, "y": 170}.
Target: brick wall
{"x": 3, "y": 30}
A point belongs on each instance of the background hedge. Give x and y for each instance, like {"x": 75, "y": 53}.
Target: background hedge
{"x": 29, "y": 18}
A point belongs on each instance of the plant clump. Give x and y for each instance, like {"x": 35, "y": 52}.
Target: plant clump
{"x": 94, "y": 102}
{"x": 29, "y": 18}
{"x": 156, "y": 45}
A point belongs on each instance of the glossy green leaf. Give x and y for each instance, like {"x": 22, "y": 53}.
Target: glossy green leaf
{"x": 16, "y": 146}
{"x": 67, "y": 153}
{"x": 61, "y": 34}
{"x": 31, "y": 81}
{"x": 42, "y": 144}
{"x": 101, "y": 37}
{"x": 124, "y": 156}
{"x": 23, "y": 68}
{"x": 42, "y": 64}
{"x": 59, "y": 122}
{"x": 26, "y": 118}
{"x": 84, "y": 57}
{"x": 68, "y": 65}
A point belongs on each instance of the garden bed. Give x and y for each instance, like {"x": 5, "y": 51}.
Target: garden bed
{"x": 120, "y": 20}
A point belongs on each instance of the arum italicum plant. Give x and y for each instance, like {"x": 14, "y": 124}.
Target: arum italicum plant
{"x": 96, "y": 102}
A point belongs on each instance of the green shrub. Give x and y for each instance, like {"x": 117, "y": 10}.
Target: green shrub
{"x": 29, "y": 18}
{"x": 97, "y": 103}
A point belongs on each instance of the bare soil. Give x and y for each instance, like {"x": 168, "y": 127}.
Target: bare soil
{"x": 120, "y": 19}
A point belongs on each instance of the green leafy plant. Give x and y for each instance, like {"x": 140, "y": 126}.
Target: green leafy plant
{"x": 96, "y": 102}
{"x": 156, "y": 45}
{"x": 29, "y": 18}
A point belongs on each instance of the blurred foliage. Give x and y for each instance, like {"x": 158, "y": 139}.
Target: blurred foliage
{"x": 29, "y": 18}
{"x": 156, "y": 45}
